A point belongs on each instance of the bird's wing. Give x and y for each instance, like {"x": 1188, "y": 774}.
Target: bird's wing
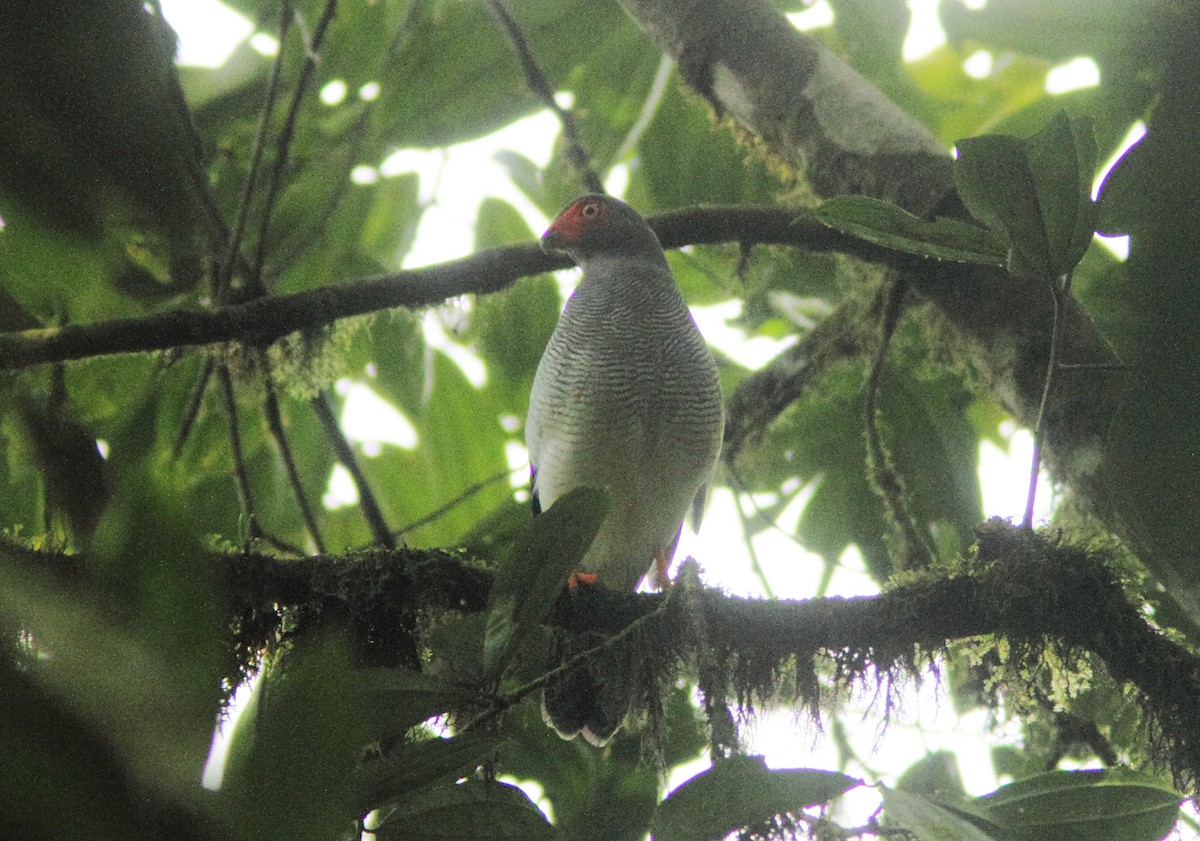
{"x": 534, "y": 502}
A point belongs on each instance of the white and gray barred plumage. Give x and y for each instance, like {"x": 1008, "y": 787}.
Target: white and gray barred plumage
{"x": 626, "y": 398}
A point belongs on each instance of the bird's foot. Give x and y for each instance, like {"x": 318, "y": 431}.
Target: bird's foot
{"x": 577, "y": 579}
{"x": 659, "y": 574}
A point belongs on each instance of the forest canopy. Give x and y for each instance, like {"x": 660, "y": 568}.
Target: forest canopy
{"x": 200, "y": 265}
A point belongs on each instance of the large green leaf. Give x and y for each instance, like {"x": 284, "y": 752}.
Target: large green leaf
{"x": 740, "y": 792}
{"x": 461, "y": 443}
{"x": 1035, "y": 193}
{"x": 58, "y": 775}
{"x": 685, "y": 159}
{"x": 926, "y": 820}
{"x": 873, "y": 32}
{"x": 1061, "y": 29}
{"x": 473, "y": 809}
{"x": 397, "y": 699}
{"x": 1152, "y": 461}
{"x": 956, "y": 105}
{"x": 821, "y": 439}
{"x": 514, "y": 324}
{"x": 936, "y": 773}
{"x": 292, "y": 767}
{"x": 455, "y": 76}
{"x": 607, "y": 794}
{"x": 92, "y": 130}
{"x": 136, "y": 661}
{"x": 405, "y": 773}
{"x": 1084, "y": 806}
{"x": 535, "y": 571}
{"x": 887, "y": 225}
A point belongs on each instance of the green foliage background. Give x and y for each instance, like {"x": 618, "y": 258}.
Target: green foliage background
{"x": 120, "y": 181}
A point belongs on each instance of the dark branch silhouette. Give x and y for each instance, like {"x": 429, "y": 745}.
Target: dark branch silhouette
{"x": 262, "y": 321}
{"x": 1017, "y": 585}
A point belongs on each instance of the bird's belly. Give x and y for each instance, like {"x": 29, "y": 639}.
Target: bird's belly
{"x": 653, "y": 482}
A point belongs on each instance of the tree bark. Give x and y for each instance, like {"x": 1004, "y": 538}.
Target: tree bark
{"x": 845, "y": 136}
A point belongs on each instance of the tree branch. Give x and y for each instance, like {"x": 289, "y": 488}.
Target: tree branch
{"x": 1018, "y": 586}
{"x": 808, "y": 105}
{"x": 265, "y": 320}
{"x": 845, "y": 136}
{"x": 577, "y": 153}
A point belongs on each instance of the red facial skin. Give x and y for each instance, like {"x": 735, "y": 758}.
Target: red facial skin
{"x": 573, "y": 222}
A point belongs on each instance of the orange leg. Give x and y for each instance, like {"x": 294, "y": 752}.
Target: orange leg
{"x": 662, "y": 563}
{"x": 577, "y": 579}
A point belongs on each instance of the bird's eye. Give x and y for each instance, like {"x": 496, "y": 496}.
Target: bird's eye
{"x": 590, "y": 211}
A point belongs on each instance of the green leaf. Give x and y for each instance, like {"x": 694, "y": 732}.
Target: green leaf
{"x": 294, "y": 757}
{"x": 398, "y": 699}
{"x": 958, "y": 105}
{"x": 1151, "y": 463}
{"x": 473, "y": 809}
{"x": 1035, "y": 193}
{"x": 934, "y": 774}
{"x": 889, "y": 226}
{"x": 75, "y": 476}
{"x": 1062, "y": 30}
{"x": 414, "y": 767}
{"x": 59, "y": 777}
{"x": 535, "y": 571}
{"x": 514, "y": 324}
{"x": 739, "y": 792}
{"x": 390, "y": 224}
{"x": 926, "y": 820}
{"x": 454, "y": 76}
{"x": 873, "y": 32}
{"x": 457, "y": 424}
{"x": 90, "y": 132}
{"x": 153, "y": 713}
{"x": 683, "y": 159}
{"x": 1084, "y": 806}
{"x": 608, "y": 794}
{"x": 819, "y": 439}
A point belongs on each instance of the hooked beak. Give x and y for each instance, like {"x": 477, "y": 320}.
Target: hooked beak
{"x": 551, "y": 240}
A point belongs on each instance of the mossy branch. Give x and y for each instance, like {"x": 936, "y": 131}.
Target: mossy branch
{"x": 263, "y": 321}
{"x": 1018, "y": 585}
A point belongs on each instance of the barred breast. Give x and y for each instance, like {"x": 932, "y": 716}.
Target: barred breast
{"x": 626, "y": 398}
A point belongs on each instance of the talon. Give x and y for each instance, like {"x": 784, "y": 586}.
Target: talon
{"x": 662, "y": 563}
{"x": 577, "y": 579}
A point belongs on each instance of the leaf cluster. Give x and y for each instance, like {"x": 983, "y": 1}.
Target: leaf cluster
{"x": 147, "y": 206}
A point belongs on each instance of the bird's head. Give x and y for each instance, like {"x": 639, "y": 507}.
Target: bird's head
{"x": 596, "y": 223}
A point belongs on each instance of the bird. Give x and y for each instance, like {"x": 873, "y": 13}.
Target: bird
{"x": 626, "y": 398}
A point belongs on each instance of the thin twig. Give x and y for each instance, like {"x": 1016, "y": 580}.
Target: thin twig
{"x": 280, "y": 544}
{"x": 739, "y": 487}
{"x": 193, "y": 407}
{"x": 235, "y": 447}
{"x": 577, "y": 153}
{"x": 286, "y": 134}
{"x": 445, "y": 508}
{"x": 214, "y": 221}
{"x": 507, "y": 700}
{"x": 658, "y": 87}
{"x": 916, "y": 553}
{"x": 1058, "y": 294}
{"x": 260, "y": 144}
{"x": 275, "y": 424}
{"x": 755, "y": 564}
{"x": 345, "y": 454}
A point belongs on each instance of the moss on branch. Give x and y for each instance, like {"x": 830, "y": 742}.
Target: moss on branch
{"x": 1018, "y": 585}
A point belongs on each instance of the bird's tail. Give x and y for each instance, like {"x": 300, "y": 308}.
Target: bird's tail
{"x": 592, "y": 697}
